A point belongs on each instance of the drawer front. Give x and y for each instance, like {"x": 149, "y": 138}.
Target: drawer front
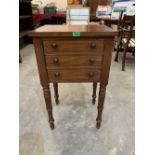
{"x": 52, "y": 60}
{"x": 75, "y": 47}
{"x": 74, "y": 75}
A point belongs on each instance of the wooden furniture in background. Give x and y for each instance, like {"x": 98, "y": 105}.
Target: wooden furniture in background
{"x": 72, "y": 53}
{"x": 25, "y": 24}
{"x": 126, "y": 35}
{"x": 110, "y": 22}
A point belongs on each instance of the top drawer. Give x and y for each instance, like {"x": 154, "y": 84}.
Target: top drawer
{"x": 73, "y": 46}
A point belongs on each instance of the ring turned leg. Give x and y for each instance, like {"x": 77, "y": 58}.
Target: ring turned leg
{"x": 47, "y": 96}
{"x": 94, "y": 92}
{"x": 56, "y": 94}
{"x": 100, "y": 105}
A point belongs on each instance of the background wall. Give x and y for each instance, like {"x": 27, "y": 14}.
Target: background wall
{"x": 61, "y": 4}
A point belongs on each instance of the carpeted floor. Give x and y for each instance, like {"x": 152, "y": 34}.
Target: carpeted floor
{"x": 75, "y": 116}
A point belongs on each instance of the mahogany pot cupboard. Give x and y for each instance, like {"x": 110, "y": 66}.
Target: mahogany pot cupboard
{"x": 73, "y": 53}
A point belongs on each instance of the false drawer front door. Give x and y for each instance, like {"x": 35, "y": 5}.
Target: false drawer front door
{"x": 74, "y": 75}
{"x": 59, "y": 46}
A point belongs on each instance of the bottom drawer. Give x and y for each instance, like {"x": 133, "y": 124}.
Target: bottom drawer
{"x": 74, "y": 75}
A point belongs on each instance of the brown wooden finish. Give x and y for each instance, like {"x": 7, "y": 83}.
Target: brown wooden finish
{"x": 100, "y": 107}
{"x": 47, "y": 96}
{"x": 41, "y": 61}
{"x": 106, "y": 61}
{"x": 56, "y": 95}
{"x": 74, "y": 75}
{"x": 57, "y": 61}
{"x": 94, "y": 92}
{"x": 64, "y": 58}
{"x": 126, "y": 32}
{"x": 73, "y": 46}
{"x": 55, "y": 31}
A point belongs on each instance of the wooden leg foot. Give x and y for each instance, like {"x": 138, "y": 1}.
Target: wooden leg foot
{"x": 116, "y": 59}
{"x": 52, "y": 125}
{"x": 98, "y": 125}
{"x": 119, "y": 46}
{"x": 124, "y": 58}
{"x": 94, "y": 92}
{"x": 123, "y": 68}
{"x": 47, "y": 96}
{"x": 116, "y": 56}
{"x": 56, "y": 94}
{"x": 93, "y": 101}
{"x": 100, "y": 105}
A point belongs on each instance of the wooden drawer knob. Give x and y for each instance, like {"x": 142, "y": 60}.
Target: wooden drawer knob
{"x": 56, "y": 60}
{"x": 54, "y": 45}
{"x": 91, "y": 74}
{"x": 93, "y": 45}
{"x": 92, "y": 61}
{"x": 57, "y": 74}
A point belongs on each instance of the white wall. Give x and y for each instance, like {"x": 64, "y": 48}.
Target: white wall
{"x": 61, "y": 4}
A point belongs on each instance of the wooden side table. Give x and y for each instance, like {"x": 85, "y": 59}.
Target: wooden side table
{"x": 73, "y": 53}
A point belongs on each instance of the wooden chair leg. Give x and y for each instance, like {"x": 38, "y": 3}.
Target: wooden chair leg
{"x": 117, "y": 51}
{"x": 124, "y": 56}
{"x": 94, "y": 92}
{"x": 56, "y": 94}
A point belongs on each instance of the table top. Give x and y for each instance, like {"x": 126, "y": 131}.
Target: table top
{"x": 67, "y": 31}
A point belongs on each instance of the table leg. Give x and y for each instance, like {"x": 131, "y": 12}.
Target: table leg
{"x": 100, "y": 107}
{"x": 56, "y": 94}
{"x": 94, "y": 92}
{"x": 47, "y": 96}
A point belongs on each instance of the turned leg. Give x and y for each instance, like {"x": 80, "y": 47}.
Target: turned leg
{"x": 56, "y": 94}
{"x": 47, "y": 96}
{"x": 94, "y": 92}
{"x": 100, "y": 105}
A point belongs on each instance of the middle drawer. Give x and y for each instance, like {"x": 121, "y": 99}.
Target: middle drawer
{"x": 84, "y": 46}
{"x": 52, "y": 60}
